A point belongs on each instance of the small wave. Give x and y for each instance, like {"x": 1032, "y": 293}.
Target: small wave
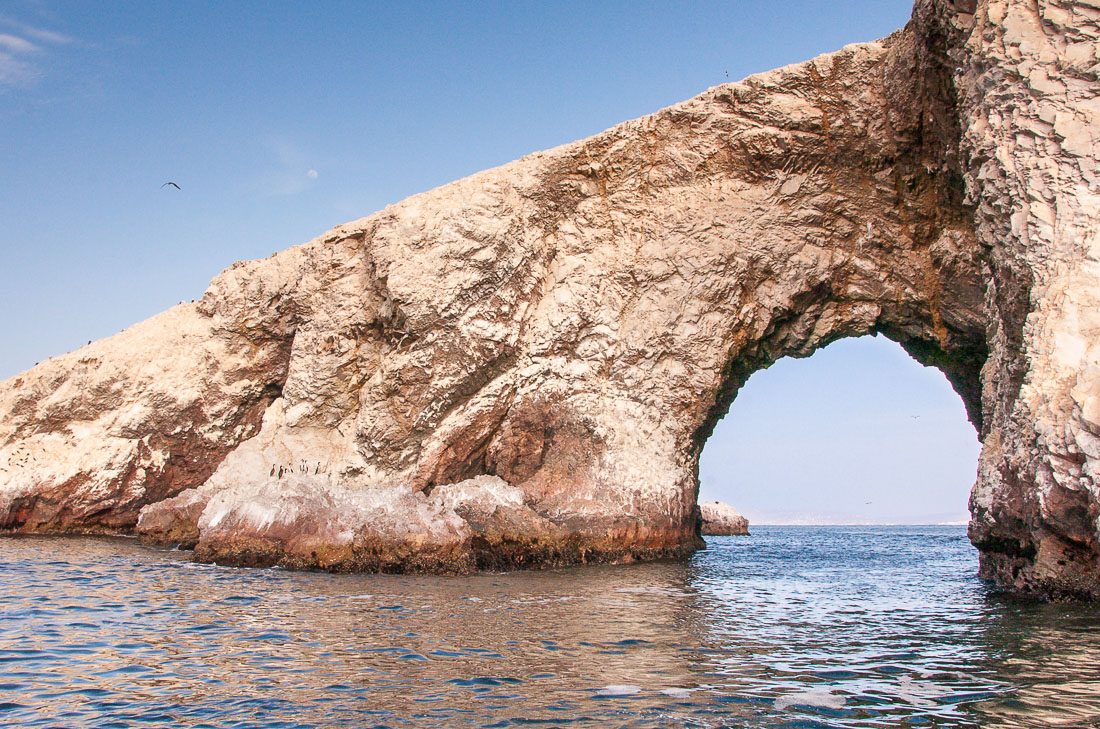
{"x": 619, "y": 690}
{"x": 816, "y": 699}
{"x": 678, "y": 693}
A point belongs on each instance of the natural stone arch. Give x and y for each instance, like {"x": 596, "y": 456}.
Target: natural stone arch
{"x": 521, "y": 367}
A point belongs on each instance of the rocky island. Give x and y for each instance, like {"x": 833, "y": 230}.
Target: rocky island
{"x": 721, "y": 520}
{"x": 521, "y": 368}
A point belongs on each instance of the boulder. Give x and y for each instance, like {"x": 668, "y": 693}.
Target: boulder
{"x": 722, "y": 520}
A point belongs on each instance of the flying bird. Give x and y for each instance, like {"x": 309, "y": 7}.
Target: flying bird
{"x": 169, "y": 183}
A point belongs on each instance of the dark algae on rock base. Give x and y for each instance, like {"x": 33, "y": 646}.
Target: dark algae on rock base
{"x": 520, "y": 368}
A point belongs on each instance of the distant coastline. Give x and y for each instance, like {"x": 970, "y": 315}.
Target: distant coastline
{"x": 766, "y": 523}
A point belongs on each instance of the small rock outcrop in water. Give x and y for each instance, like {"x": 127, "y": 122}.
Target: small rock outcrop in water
{"x": 722, "y": 520}
{"x": 522, "y": 367}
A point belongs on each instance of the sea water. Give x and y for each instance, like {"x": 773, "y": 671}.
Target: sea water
{"x": 791, "y": 627}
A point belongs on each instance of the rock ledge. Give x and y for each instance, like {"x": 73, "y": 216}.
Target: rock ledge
{"x": 722, "y": 520}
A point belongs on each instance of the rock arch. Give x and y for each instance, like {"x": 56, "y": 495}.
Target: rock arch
{"x": 521, "y": 367}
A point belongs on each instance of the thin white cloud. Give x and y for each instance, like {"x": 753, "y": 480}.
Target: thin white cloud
{"x": 14, "y": 71}
{"x": 47, "y": 36}
{"x": 41, "y": 35}
{"x": 15, "y": 44}
{"x": 18, "y": 55}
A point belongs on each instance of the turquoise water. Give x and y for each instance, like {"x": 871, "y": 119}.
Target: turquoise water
{"x": 792, "y": 627}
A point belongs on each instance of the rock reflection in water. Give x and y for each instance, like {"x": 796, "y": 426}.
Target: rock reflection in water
{"x": 1050, "y": 654}
{"x": 820, "y": 627}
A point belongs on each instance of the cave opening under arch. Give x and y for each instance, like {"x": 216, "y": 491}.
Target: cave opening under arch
{"x": 858, "y": 433}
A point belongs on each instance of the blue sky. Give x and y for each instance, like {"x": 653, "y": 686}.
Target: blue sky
{"x": 280, "y": 120}
{"x": 858, "y": 433}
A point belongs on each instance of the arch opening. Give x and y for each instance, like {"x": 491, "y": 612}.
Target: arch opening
{"x": 858, "y": 433}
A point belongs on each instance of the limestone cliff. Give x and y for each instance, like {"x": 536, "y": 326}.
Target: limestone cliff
{"x": 522, "y": 367}
{"x": 721, "y": 520}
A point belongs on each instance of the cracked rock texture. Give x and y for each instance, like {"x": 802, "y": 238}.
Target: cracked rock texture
{"x": 721, "y": 520}
{"x": 1029, "y": 98}
{"x": 521, "y": 368}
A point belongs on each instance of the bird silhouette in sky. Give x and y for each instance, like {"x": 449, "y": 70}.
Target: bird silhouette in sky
{"x": 169, "y": 183}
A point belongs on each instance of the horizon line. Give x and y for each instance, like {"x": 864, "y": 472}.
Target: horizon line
{"x": 884, "y": 523}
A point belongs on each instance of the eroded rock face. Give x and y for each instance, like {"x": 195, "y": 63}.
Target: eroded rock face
{"x": 522, "y": 367}
{"x": 1029, "y": 95}
{"x": 721, "y": 520}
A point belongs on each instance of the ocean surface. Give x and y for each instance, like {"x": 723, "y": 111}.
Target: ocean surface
{"x": 791, "y": 627}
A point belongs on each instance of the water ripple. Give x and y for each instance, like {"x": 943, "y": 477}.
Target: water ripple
{"x": 793, "y": 627}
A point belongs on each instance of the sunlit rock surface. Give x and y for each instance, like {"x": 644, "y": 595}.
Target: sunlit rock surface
{"x": 721, "y": 520}
{"x": 1028, "y": 96}
{"x": 521, "y": 367}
